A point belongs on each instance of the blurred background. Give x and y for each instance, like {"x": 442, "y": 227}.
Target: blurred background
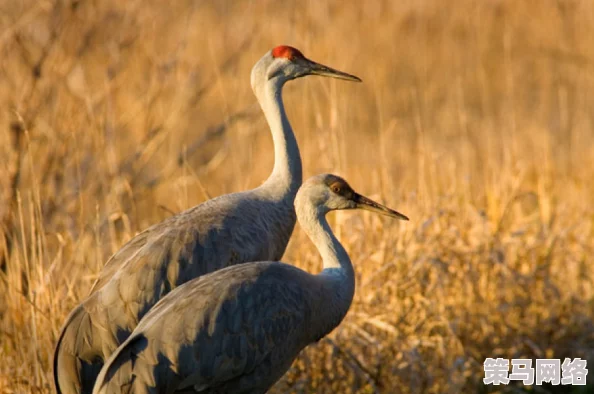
{"x": 475, "y": 118}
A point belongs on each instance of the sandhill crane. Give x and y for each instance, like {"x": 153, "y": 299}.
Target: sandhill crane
{"x": 230, "y": 229}
{"x": 239, "y": 329}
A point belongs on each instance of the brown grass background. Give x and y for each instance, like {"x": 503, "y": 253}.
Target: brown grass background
{"x": 475, "y": 119}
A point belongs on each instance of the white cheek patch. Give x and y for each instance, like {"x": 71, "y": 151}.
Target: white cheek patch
{"x": 275, "y": 69}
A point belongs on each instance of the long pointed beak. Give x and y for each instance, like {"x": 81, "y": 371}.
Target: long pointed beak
{"x": 370, "y": 205}
{"x": 325, "y": 71}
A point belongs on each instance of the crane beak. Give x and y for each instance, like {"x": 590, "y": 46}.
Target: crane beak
{"x": 362, "y": 202}
{"x": 325, "y": 71}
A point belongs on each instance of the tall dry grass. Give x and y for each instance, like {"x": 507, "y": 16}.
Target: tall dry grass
{"x": 475, "y": 118}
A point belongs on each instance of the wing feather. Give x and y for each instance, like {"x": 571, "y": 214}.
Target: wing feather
{"x": 221, "y": 232}
{"x": 219, "y": 328}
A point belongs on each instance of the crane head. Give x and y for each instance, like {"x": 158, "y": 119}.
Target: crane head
{"x": 286, "y": 63}
{"x": 329, "y": 192}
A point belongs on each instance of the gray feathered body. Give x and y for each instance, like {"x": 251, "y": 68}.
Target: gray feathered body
{"x": 233, "y": 331}
{"x": 231, "y": 229}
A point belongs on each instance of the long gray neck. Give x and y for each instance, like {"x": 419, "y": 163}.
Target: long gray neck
{"x": 337, "y": 278}
{"x": 286, "y": 176}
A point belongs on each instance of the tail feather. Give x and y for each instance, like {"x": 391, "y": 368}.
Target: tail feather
{"x": 72, "y": 372}
{"x": 118, "y": 374}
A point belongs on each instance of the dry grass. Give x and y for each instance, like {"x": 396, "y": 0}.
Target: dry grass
{"x": 475, "y": 119}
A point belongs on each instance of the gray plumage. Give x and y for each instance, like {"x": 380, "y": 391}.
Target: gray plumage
{"x": 228, "y": 230}
{"x": 239, "y": 329}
